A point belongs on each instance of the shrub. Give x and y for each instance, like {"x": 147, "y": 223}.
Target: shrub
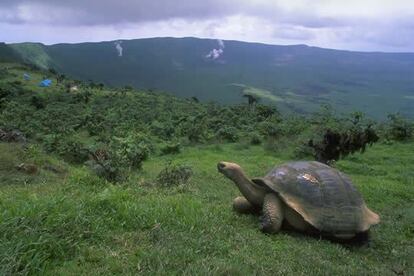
{"x": 229, "y": 134}
{"x": 170, "y": 148}
{"x": 51, "y": 142}
{"x": 5, "y": 92}
{"x": 263, "y": 112}
{"x": 112, "y": 161}
{"x": 131, "y": 150}
{"x": 398, "y": 128}
{"x": 174, "y": 175}
{"x": 303, "y": 151}
{"x": 105, "y": 165}
{"x": 38, "y": 102}
{"x": 255, "y": 139}
{"x": 70, "y": 148}
{"x": 347, "y": 137}
{"x": 270, "y": 127}
{"x": 195, "y": 128}
{"x": 163, "y": 130}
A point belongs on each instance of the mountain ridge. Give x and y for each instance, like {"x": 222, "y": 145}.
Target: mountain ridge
{"x": 301, "y": 77}
{"x": 204, "y": 38}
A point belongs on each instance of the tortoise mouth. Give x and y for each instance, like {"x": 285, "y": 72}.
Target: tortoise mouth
{"x": 221, "y": 166}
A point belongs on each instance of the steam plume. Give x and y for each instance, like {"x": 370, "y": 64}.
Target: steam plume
{"x": 119, "y": 48}
{"x": 216, "y": 53}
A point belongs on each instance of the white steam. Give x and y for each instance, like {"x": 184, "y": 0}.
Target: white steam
{"x": 216, "y": 53}
{"x": 221, "y": 43}
{"x": 119, "y": 48}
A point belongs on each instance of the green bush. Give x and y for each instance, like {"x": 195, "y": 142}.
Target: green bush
{"x": 398, "y": 128}
{"x": 229, "y": 134}
{"x": 163, "y": 130}
{"x": 174, "y": 175}
{"x": 131, "y": 150}
{"x": 107, "y": 165}
{"x": 73, "y": 151}
{"x": 69, "y": 148}
{"x": 341, "y": 137}
{"x": 114, "y": 160}
{"x": 270, "y": 127}
{"x": 195, "y": 127}
{"x": 255, "y": 139}
{"x": 38, "y": 102}
{"x": 170, "y": 148}
{"x": 264, "y": 112}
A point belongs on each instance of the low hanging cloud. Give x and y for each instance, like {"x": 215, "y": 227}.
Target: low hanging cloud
{"x": 352, "y": 24}
{"x": 216, "y": 53}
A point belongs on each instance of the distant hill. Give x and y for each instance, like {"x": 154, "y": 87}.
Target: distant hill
{"x": 7, "y": 54}
{"x": 295, "y": 77}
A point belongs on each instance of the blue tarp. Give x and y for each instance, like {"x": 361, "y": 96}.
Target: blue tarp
{"x": 45, "y": 83}
{"x": 26, "y": 76}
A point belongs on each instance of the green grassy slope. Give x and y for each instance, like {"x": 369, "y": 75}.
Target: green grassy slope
{"x": 302, "y": 77}
{"x": 78, "y": 224}
{"x": 65, "y": 220}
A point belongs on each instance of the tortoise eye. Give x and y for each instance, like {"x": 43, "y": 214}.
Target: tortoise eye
{"x": 221, "y": 165}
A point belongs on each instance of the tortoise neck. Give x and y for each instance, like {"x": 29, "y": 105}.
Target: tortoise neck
{"x": 253, "y": 193}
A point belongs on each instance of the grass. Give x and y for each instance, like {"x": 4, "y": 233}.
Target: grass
{"x": 81, "y": 225}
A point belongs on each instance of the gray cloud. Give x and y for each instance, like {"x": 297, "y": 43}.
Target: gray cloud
{"x": 97, "y": 12}
{"x": 104, "y": 12}
{"x": 352, "y": 24}
{"x": 294, "y": 32}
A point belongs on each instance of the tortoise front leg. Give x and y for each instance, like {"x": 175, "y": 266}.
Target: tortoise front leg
{"x": 271, "y": 220}
{"x": 243, "y": 206}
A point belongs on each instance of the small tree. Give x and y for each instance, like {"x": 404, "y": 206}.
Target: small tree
{"x": 333, "y": 142}
{"x": 60, "y": 78}
{"x": 252, "y": 100}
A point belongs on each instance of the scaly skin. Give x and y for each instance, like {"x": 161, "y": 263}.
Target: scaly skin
{"x": 255, "y": 197}
{"x": 252, "y": 192}
{"x": 243, "y": 206}
{"x": 258, "y": 197}
{"x": 272, "y": 218}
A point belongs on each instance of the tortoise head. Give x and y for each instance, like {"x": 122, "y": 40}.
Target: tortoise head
{"x": 252, "y": 192}
{"x": 230, "y": 170}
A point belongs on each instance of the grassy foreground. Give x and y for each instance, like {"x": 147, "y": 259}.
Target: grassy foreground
{"x": 70, "y": 222}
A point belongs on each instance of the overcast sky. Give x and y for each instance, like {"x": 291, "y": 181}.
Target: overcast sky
{"x": 367, "y": 25}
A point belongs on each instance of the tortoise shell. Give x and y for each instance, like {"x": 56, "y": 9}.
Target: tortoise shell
{"x": 323, "y": 196}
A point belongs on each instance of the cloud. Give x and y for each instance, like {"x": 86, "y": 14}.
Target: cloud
{"x": 308, "y": 13}
{"x": 104, "y": 12}
{"x": 353, "y": 24}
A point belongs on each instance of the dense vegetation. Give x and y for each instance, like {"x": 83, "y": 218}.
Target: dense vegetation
{"x": 99, "y": 180}
{"x": 297, "y": 77}
{"x": 116, "y": 130}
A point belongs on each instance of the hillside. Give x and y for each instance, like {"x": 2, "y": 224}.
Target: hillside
{"x": 298, "y": 77}
{"x": 7, "y": 54}
{"x": 104, "y": 181}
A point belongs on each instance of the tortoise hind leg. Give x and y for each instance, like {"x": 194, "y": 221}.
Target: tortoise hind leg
{"x": 243, "y": 206}
{"x": 272, "y": 218}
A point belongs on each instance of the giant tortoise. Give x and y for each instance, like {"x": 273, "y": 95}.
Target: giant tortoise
{"x": 308, "y": 195}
